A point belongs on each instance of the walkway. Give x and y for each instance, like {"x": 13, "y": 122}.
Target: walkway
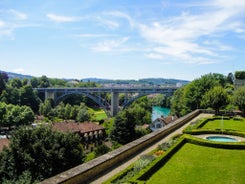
{"x": 111, "y": 173}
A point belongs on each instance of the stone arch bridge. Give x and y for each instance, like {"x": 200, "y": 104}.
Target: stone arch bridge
{"x": 94, "y": 93}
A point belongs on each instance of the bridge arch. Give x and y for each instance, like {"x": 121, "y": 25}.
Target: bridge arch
{"x": 94, "y": 93}
{"x": 97, "y": 99}
{"x": 131, "y": 100}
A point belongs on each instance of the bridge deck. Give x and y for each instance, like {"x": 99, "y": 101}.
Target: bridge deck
{"x": 112, "y": 89}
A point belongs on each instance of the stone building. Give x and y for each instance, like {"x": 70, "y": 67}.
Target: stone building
{"x": 92, "y": 134}
{"x": 161, "y": 122}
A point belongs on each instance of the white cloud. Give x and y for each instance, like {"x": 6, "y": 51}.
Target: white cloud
{"x": 119, "y": 14}
{"x": 108, "y": 23}
{"x": 18, "y": 70}
{"x": 93, "y": 35}
{"x": 110, "y": 45}
{"x": 2, "y": 23}
{"x": 180, "y": 37}
{"x": 18, "y": 15}
{"x": 60, "y": 18}
{"x": 154, "y": 56}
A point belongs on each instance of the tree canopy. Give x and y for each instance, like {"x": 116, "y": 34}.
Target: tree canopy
{"x": 215, "y": 98}
{"x": 239, "y": 98}
{"x": 189, "y": 97}
{"x": 41, "y": 152}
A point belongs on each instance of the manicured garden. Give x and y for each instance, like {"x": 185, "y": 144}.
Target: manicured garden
{"x": 199, "y": 164}
{"x": 231, "y": 124}
{"x": 194, "y": 160}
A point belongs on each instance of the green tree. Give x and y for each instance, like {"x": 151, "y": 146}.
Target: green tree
{"x": 34, "y": 82}
{"x": 3, "y": 107}
{"x": 29, "y": 97}
{"x": 18, "y": 115}
{"x": 82, "y": 113}
{"x": 215, "y": 98}
{"x": 240, "y": 74}
{"x": 189, "y": 98}
{"x": 45, "y": 108}
{"x": 68, "y": 111}
{"x": 40, "y": 151}
{"x": 3, "y": 81}
{"x": 60, "y": 110}
{"x": 43, "y": 82}
{"x": 10, "y": 95}
{"x": 123, "y": 130}
{"x": 177, "y": 103}
{"x": 239, "y": 98}
{"x": 15, "y": 83}
{"x": 101, "y": 150}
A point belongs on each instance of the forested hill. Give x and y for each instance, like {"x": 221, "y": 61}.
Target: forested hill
{"x": 16, "y": 75}
{"x": 146, "y": 81}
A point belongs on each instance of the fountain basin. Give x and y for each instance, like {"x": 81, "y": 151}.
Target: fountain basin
{"x": 222, "y": 138}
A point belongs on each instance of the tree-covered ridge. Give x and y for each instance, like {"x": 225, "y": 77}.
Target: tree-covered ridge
{"x": 213, "y": 90}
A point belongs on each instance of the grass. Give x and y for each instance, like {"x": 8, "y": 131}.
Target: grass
{"x": 232, "y": 124}
{"x": 98, "y": 114}
{"x": 199, "y": 164}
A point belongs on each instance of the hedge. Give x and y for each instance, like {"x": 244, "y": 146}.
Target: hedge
{"x": 147, "y": 172}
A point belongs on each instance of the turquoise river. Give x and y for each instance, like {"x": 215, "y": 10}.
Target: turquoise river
{"x": 158, "y": 111}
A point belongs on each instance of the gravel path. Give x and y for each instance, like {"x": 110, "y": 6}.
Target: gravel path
{"x": 124, "y": 165}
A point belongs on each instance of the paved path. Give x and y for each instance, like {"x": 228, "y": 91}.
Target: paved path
{"x": 124, "y": 165}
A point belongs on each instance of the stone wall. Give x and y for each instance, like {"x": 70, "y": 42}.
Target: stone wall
{"x": 95, "y": 167}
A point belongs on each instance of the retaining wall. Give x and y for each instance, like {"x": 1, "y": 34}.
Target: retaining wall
{"x": 85, "y": 172}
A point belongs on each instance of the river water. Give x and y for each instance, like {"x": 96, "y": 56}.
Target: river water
{"x": 158, "y": 111}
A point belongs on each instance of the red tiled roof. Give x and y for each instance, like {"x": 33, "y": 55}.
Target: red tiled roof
{"x": 77, "y": 127}
{"x": 167, "y": 119}
{"x": 3, "y": 142}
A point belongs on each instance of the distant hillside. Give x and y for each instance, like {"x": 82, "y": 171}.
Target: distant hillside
{"x": 146, "y": 81}
{"x": 16, "y": 75}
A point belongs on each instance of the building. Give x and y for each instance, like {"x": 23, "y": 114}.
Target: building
{"x": 3, "y": 142}
{"x": 161, "y": 122}
{"x": 239, "y": 83}
{"x": 92, "y": 134}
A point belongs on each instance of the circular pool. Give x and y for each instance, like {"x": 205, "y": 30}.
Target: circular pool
{"x": 221, "y": 139}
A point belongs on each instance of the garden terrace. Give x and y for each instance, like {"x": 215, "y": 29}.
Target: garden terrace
{"x": 195, "y": 160}
{"x": 218, "y": 125}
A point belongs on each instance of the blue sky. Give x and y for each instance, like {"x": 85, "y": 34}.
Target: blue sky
{"x": 122, "y": 39}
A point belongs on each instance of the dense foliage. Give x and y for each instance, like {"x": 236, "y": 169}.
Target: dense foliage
{"x": 40, "y": 152}
{"x": 239, "y": 98}
{"x": 240, "y": 74}
{"x": 124, "y": 128}
{"x": 79, "y": 113}
{"x": 216, "y": 97}
{"x": 202, "y": 93}
{"x": 15, "y": 115}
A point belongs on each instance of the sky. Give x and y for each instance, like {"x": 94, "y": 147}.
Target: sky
{"x": 122, "y": 39}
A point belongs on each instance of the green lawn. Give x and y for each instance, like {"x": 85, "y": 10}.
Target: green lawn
{"x": 233, "y": 124}
{"x": 200, "y": 164}
{"x": 98, "y": 114}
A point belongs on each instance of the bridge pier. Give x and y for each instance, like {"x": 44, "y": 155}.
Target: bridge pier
{"x": 50, "y": 95}
{"x": 114, "y": 103}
